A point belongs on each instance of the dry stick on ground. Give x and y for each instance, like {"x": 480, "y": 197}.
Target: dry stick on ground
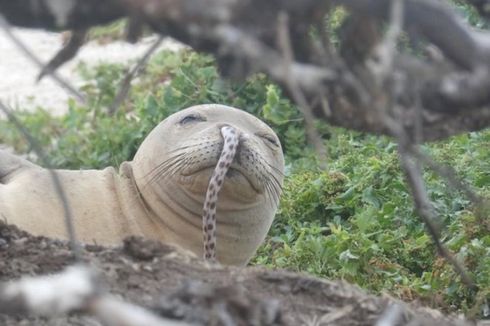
{"x": 391, "y": 316}
{"x": 60, "y": 191}
{"x": 126, "y": 82}
{"x": 63, "y": 83}
{"x": 314, "y": 138}
{"x": 76, "y": 288}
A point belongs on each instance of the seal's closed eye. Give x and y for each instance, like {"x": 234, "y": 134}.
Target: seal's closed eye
{"x": 270, "y": 139}
{"x": 191, "y": 118}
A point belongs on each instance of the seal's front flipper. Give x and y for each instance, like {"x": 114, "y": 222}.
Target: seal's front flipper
{"x": 10, "y": 164}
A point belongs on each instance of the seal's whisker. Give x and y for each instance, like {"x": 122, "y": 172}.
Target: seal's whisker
{"x": 262, "y": 159}
{"x": 274, "y": 168}
{"x": 276, "y": 187}
{"x": 274, "y": 192}
{"x": 170, "y": 162}
{"x": 163, "y": 164}
{"x": 163, "y": 168}
{"x": 271, "y": 177}
{"x": 174, "y": 157}
{"x": 170, "y": 169}
{"x": 185, "y": 147}
{"x": 270, "y": 193}
{"x": 175, "y": 168}
{"x": 277, "y": 183}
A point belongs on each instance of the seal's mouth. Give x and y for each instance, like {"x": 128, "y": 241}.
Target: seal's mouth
{"x": 235, "y": 172}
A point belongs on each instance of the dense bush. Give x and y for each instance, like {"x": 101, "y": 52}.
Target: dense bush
{"x": 353, "y": 221}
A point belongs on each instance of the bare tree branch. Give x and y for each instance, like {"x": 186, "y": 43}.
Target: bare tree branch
{"x": 74, "y": 15}
{"x": 384, "y": 53}
{"x": 125, "y": 85}
{"x": 452, "y": 92}
{"x": 423, "y": 206}
{"x": 432, "y": 19}
{"x": 425, "y": 211}
{"x": 68, "y": 52}
{"x": 388, "y": 111}
{"x": 287, "y": 51}
{"x": 483, "y": 7}
{"x": 72, "y": 90}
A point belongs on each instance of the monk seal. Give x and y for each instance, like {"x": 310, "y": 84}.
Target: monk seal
{"x": 161, "y": 192}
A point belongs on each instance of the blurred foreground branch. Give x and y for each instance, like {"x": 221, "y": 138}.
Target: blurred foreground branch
{"x": 451, "y": 82}
{"x": 74, "y": 289}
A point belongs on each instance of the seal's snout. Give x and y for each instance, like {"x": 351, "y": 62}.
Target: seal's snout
{"x": 231, "y": 139}
{"x": 238, "y": 136}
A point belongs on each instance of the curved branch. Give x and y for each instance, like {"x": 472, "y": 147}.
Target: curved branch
{"x": 451, "y": 87}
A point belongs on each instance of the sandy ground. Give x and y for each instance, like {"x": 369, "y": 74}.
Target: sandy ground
{"x": 18, "y": 87}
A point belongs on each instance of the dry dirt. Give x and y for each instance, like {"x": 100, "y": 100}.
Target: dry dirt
{"x": 178, "y": 286}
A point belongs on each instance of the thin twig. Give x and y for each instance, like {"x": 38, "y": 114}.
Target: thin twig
{"x": 63, "y": 83}
{"x": 448, "y": 174}
{"x": 385, "y": 108}
{"x": 75, "y": 246}
{"x": 126, "y": 82}
{"x": 423, "y": 206}
{"x": 425, "y": 211}
{"x": 264, "y": 58}
{"x": 385, "y": 52}
{"x": 298, "y": 96}
{"x": 418, "y": 123}
{"x": 68, "y": 52}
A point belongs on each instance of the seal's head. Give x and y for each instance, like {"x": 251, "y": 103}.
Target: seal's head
{"x": 173, "y": 166}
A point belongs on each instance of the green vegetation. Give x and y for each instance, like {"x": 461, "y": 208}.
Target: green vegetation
{"x": 469, "y": 13}
{"x": 354, "y": 221}
{"x": 108, "y": 33}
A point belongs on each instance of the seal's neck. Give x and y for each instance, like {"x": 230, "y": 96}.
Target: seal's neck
{"x": 138, "y": 213}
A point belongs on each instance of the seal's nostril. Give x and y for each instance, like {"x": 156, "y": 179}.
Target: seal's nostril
{"x": 221, "y": 125}
{"x": 244, "y": 136}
